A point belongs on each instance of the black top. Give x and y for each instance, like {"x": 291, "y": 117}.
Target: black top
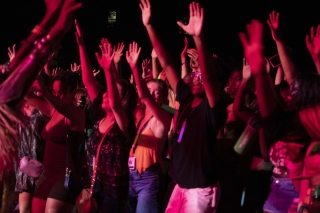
{"x": 193, "y": 157}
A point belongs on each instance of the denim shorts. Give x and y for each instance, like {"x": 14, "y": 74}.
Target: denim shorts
{"x": 281, "y": 196}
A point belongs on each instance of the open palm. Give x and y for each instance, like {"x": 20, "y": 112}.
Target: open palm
{"x": 194, "y": 27}
{"x": 132, "y": 55}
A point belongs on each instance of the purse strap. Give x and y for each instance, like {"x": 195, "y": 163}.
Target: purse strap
{"x": 67, "y": 149}
{"x": 94, "y": 175}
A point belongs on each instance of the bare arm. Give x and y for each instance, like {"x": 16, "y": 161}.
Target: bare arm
{"x": 163, "y": 118}
{"x": 105, "y": 61}
{"x": 239, "y": 108}
{"x": 184, "y": 65}
{"x": 194, "y": 28}
{"x": 163, "y": 55}
{"x": 253, "y": 51}
{"x": 289, "y": 68}
{"x": 118, "y": 51}
{"x": 87, "y": 74}
{"x": 155, "y": 65}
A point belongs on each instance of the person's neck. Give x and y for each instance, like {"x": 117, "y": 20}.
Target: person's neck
{"x": 196, "y": 101}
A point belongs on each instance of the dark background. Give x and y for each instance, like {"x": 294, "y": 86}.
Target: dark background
{"x": 223, "y": 20}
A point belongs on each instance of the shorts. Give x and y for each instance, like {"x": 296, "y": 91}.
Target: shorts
{"x": 54, "y": 188}
{"x": 281, "y": 196}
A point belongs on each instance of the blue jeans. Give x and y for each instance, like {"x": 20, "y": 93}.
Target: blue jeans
{"x": 281, "y": 196}
{"x": 145, "y": 191}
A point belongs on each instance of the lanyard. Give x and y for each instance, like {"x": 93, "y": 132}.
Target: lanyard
{"x": 134, "y": 145}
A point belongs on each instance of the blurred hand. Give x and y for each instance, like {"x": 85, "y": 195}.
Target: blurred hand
{"x": 153, "y": 54}
{"x": 56, "y": 71}
{"x": 78, "y": 33}
{"x": 253, "y": 47}
{"x": 75, "y": 67}
{"x": 118, "y": 51}
{"x": 12, "y": 52}
{"x": 246, "y": 71}
{"x": 146, "y": 65}
{"x": 95, "y": 72}
{"x": 64, "y": 22}
{"x": 273, "y": 23}
{"x": 313, "y": 42}
{"x": 106, "y": 58}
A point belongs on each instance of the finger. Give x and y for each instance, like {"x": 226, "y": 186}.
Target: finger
{"x": 141, "y": 7}
{"x": 143, "y": 3}
{"x": 14, "y": 48}
{"x": 101, "y": 48}
{"x": 148, "y": 3}
{"x": 308, "y": 40}
{"x": 181, "y": 25}
{"x": 191, "y": 10}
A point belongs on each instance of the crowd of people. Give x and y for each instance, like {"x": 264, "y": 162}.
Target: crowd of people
{"x": 169, "y": 139}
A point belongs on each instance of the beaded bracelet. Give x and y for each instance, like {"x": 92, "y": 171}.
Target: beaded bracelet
{"x": 38, "y": 30}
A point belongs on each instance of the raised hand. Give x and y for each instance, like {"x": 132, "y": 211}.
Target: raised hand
{"x": 56, "y": 71}
{"x": 65, "y": 20}
{"x": 153, "y": 54}
{"x": 185, "y": 48}
{"x": 12, "y": 52}
{"x": 313, "y": 42}
{"x": 132, "y": 54}
{"x": 194, "y": 27}
{"x": 95, "y": 72}
{"x": 146, "y": 66}
{"x": 118, "y": 51}
{"x": 253, "y": 47}
{"x": 75, "y": 67}
{"x": 273, "y": 23}
{"x": 246, "y": 71}
{"x": 146, "y": 12}
{"x": 106, "y": 58}
{"x": 78, "y": 33}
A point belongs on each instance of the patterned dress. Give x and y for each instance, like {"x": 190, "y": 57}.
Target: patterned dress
{"x": 112, "y": 171}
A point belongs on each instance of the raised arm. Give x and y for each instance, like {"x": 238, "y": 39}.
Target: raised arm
{"x": 86, "y": 69}
{"x": 194, "y": 28}
{"x": 183, "y": 56}
{"x": 253, "y": 51}
{"x": 313, "y": 46}
{"x": 289, "y": 68}
{"x": 118, "y": 52}
{"x": 155, "y": 65}
{"x": 105, "y": 60}
{"x": 239, "y": 108}
{"x": 164, "y": 57}
{"x": 158, "y": 112}
{"x": 53, "y": 8}
{"x": 75, "y": 115}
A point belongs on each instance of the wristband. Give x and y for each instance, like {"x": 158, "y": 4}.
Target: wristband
{"x": 38, "y": 30}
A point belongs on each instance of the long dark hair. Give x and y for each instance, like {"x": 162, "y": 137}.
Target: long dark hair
{"x": 129, "y": 96}
{"x": 306, "y": 90}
